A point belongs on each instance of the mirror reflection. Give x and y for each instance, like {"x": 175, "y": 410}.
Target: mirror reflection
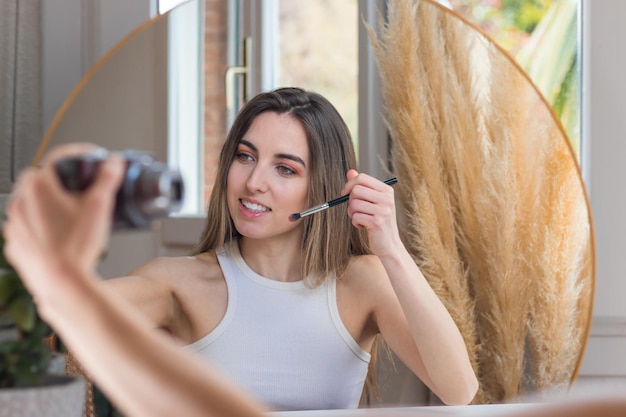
{"x": 127, "y": 101}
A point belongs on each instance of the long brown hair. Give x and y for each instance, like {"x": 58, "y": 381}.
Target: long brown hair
{"x": 329, "y": 239}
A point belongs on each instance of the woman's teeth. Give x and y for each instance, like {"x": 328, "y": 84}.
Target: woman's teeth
{"x": 254, "y": 207}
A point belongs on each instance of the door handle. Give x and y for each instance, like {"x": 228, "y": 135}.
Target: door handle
{"x": 244, "y": 71}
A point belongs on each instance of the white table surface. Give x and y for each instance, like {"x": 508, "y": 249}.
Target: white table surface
{"x": 591, "y": 397}
{"x": 490, "y": 410}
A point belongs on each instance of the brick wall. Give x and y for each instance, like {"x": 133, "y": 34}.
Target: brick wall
{"x": 215, "y": 39}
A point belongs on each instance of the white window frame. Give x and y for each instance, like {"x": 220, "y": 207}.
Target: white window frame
{"x": 604, "y": 147}
{"x": 185, "y": 98}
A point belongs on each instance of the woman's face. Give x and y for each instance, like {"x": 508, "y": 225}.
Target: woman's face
{"x": 268, "y": 179}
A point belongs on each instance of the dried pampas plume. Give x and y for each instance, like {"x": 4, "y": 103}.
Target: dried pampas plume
{"x": 496, "y": 214}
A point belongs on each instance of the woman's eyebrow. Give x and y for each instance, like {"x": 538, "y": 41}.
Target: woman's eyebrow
{"x": 289, "y": 156}
{"x": 248, "y": 144}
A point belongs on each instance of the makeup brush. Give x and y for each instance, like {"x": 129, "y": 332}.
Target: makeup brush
{"x": 329, "y": 204}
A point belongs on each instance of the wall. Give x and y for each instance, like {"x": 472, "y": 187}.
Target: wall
{"x": 20, "y": 86}
{"x": 76, "y": 34}
{"x": 604, "y": 125}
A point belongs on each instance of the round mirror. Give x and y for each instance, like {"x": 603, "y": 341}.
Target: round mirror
{"x": 497, "y": 215}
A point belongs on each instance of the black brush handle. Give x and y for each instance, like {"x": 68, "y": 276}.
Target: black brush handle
{"x": 345, "y": 198}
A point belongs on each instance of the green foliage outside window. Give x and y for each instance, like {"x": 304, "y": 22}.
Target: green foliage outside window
{"x": 542, "y": 35}
{"x": 551, "y": 60}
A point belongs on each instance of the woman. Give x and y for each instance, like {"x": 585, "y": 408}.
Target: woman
{"x": 289, "y": 311}
{"x": 280, "y": 306}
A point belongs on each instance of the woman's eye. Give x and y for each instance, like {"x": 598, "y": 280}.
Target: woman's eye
{"x": 285, "y": 170}
{"x": 243, "y": 156}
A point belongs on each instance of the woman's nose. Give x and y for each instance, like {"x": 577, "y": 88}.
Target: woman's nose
{"x": 257, "y": 181}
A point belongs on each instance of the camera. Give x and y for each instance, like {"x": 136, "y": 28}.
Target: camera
{"x": 149, "y": 190}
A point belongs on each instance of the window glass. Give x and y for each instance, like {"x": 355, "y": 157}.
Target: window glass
{"x": 318, "y": 42}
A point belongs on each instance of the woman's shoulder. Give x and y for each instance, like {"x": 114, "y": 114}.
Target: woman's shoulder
{"x": 204, "y": 265}
{"x": 359, "y": 292}
{"x": 364, "y": 269}
{"x": 365, "y": 265}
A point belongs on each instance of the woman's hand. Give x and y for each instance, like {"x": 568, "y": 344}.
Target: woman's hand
{"x": 372, "y": 207}
{"x": 49, "y": 230}
{"x": 54, "y": 239}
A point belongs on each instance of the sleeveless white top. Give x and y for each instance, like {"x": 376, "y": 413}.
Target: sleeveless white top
{"x": 284, "y": 343}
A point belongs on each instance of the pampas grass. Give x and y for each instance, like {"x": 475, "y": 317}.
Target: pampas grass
{"x": 496, "y": 215}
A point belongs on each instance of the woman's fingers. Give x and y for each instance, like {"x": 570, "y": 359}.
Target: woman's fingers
{"x": 69, "y": 150}
{"x": 372, "y": 207}
{"x": 60, "y": 222}
{"x": 93, "y": 221}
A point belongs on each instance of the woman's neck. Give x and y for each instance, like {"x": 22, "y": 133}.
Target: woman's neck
{"x": 278, "y": 260}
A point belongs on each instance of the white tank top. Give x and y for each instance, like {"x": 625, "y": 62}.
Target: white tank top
{"x": 284, "y": 343}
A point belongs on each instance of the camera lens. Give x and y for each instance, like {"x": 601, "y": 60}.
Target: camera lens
{"x": 157, "y": 191}
{"x": 149, "y": 190}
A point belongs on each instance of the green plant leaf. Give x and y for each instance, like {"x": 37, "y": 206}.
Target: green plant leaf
{"x": 21, "y": 311}
{"x": 9, "y": 285}
{"x": 4, "y": 264}
{"x": 550, "y": 59}
{"x": 30, "y": 367}
{"x": 25, "y": 359}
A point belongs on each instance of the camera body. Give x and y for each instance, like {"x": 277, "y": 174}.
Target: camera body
{"x": 149, "y": 190}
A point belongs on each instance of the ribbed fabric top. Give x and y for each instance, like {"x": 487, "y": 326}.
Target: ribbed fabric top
{"x": 283, "y": 342}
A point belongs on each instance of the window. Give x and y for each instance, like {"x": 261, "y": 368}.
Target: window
{"x": 322, "y": 46}
{"x": 272, "y": 43}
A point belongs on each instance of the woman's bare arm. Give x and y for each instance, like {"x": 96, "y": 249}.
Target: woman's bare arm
{"x": 407, "y": 312}
{"x": 141, "y": 371}
{"x": 54, "y": 240}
